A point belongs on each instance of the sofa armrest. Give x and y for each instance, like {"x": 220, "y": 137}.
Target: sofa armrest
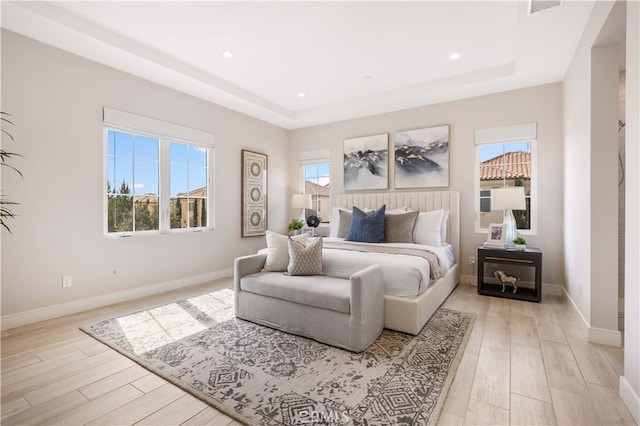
{"x": 367, "y": 306}
{"x": 367, "y": 289}
{"x": 247, "y": 265}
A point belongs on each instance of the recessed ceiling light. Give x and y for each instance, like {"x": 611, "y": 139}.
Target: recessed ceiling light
{"x": 454, "y": 56}
{"x": 227, "y": 54}
{"x": 301, "y": 95}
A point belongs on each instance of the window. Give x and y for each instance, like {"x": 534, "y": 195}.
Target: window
{"x": 504, "y": 158}
{"x": 188, "y": 186}
{"x": 315, "y": 173}
{"x": 132, "y": 182}
{"x": 317, "y": 181}
{"x": 157, "y": 180}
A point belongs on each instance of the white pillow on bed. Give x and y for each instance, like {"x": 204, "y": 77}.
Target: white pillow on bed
{"x": 427, "y": 228}
{"x": 278, "y": 250}
{"x": 444, "y": 227}
{"x": 398, "y": 210}
{"x": 334, "y": 225}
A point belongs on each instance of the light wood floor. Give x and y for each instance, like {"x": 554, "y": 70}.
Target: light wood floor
{"x": 525, "y": 363}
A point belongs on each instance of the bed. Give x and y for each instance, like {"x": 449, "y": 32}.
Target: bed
{"x": 412, "y": 291}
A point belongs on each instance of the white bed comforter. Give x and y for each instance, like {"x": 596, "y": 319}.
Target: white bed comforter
{"x": 405, "y": 275}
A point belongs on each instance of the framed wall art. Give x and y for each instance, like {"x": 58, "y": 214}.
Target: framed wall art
{"x": 422, "y": 158}
{"x": 254, "y": 194}
{"x": 366, "y": 163}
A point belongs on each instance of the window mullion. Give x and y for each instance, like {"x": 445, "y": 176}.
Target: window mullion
{"x": 189, "y": 189}
{"x": 133, "y": 185}
{"x": 164, "y": 190}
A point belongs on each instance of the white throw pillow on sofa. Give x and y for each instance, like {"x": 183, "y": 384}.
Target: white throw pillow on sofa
{"x": 427, "y": 228}
{"x": 278, "y": 250}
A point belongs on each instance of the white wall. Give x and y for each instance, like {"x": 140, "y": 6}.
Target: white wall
{"x": 621, "y": 189}
{"x": 589, "y": 171}
{"x": 630, "y": 382}
{"x": 541, "y": 104}
{"x": 56, "y": 100}
{"x": 604, "y": 186}
{"x": 589, "y": 76}
{"x": 577, "y": 178}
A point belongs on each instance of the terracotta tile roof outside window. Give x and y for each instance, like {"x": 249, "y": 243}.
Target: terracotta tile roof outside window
{"x": 511, "y": 165}
{"x": 315, "y": 189}
{"x": 153, "y": 198}
{"x": 196, "y": 193}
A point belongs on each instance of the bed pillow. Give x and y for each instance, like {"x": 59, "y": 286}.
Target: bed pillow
{"x": 398, "y": 210}
{"x": 305, "y": 259}
{"x": 444, "y": 227}
{"x": 367, "y": 228}
{"x": 341, "y": 219}
{"x": 278, "y": 252}
{"x": 398, "y": 227}
{"x": 339, "y": 222}
{"x": 344, "y": 223}
{"x": 334, "y": 222}
{"x": 427, "y": 228}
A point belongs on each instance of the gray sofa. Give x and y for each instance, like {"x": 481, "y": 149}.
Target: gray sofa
{"x": 347, "y": 313}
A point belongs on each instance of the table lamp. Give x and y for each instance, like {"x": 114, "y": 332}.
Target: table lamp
{"x": 508, "y": 199}
{"x": 301, "y": 201}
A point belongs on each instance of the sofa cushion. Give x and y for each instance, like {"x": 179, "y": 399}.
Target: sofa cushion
{"x": 320, "y": 291}
{"x": 305, "y": 260}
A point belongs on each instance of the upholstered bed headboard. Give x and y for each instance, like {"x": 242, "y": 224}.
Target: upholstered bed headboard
{"x": 422, "y": 201}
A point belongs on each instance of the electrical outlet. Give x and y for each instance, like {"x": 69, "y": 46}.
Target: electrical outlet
{"x": 472, "y": 260}
{"x": 66, "y": 281}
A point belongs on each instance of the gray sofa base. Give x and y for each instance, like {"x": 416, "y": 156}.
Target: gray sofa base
{"x": 353, "y": 331}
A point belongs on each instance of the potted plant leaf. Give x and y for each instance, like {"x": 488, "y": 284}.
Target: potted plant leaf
{"x": 520, "y": 243}
{"x": 6, "y": 213}
{"x": 295, "y": 225}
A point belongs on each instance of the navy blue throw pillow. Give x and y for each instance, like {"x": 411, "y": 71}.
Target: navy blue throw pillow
{"x": 367, "y": 228}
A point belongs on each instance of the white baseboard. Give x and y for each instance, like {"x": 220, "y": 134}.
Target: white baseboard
{"x": 630, "y": 399}
{"x": 552, "y": 290}
{"x": 604, "y": 336}
{"x": 469, "y": 280}
{"x": 55, "y": 311}
{"x": 597, "y": 335}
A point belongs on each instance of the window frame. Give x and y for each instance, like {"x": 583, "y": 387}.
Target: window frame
{"x": 133, "y": 195}
{"x": 209, "y": 180}
{"x": 165, "y": 133}
{"x": 504, "y": 136}
{"x": 309, "y": 158}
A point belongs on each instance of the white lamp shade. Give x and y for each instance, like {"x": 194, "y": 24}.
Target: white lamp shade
{"x": 511, "y": 198}
{"x": 301, "y": 201}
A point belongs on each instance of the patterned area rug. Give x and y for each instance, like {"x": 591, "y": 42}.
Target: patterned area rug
{"x": 261, "y": 376}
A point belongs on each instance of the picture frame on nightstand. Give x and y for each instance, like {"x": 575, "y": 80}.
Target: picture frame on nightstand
{"x": 495, "y": 235}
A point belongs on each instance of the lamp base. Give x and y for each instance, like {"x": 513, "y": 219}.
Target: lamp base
{"x": 510, "y": 228}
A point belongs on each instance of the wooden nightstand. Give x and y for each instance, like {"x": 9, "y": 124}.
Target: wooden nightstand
{"x": 513, "y": 262}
